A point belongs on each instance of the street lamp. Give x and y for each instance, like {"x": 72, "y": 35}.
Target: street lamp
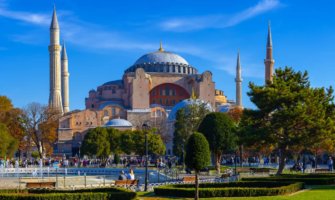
{"x": 146, "y": 127}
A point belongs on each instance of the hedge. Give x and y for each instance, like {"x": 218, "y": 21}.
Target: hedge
{"x": 221, "y": 190}
{"x": 82, "y": 194}
{"x": 307, "y": 179}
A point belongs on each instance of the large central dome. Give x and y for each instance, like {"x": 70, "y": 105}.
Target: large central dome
{"x": 161, "y": 57}
{"x": 163, "y": 61}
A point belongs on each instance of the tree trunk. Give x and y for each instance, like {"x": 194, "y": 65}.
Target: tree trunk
{"x": 196, "y": 185}
{"x": 218, "y": 163}
{"x": 282, "y": 160}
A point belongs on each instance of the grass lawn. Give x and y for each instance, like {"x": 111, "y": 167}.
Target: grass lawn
{"x": 315, "y": 193}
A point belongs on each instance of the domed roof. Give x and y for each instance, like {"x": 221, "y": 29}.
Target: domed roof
{"x": 118, "y": 123}
{"x": 161, "y": 57}
{"x": 162, "y": 61}
{"x": 184, "y": 104}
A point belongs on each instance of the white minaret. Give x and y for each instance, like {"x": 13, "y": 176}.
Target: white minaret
{"x": 269, "y": 61}
{"x": 65, "y": 80}
{"x": 238, "y": 81}
{"x": 55, "y": 98}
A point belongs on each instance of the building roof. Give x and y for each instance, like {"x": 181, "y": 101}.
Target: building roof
{"x": 161, "y": 57}
{"x": 164, "y": 62}
{"x": 54, "y": 21}
{"x": 115, "y": 82}
{"x": 184, "y": 104}
{"x": 118, "y": 123}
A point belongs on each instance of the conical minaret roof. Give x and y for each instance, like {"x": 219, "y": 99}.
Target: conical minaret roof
{"x": 64, "y": 54}
{"x": 238, "y": 68}
{"x": 269, "y": 41}
{"x": 54, "y": 21}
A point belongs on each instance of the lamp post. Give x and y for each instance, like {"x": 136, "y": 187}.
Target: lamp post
{"x": 79, "y": 143}
{"x": 146, "y": 127}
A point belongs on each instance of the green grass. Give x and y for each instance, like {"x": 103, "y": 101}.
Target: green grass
{"x": 315, "y": 193}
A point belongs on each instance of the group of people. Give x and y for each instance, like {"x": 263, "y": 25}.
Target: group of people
{"x": 127, "y": 176}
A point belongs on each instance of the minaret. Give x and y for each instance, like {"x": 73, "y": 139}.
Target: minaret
{"x": 65, "y": 80}
{"x": 269, "y": 61}
{"x": 55, "y": 98}
{"x": 238, "y": 81}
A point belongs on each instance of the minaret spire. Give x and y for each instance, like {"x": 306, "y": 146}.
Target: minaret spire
{"x": 55, "y": 98}
{"x": 269, "y": 61}
{"x": 161, "y": 49}
{"x": 238, "y": 81}
{"x": 65, "y": 80}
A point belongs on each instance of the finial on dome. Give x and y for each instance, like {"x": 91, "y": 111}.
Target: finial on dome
{"x": 161, "y": 47}
{"x": 193, "y": 96}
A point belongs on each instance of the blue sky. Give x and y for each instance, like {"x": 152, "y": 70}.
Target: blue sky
{"x": 105, "y": 37}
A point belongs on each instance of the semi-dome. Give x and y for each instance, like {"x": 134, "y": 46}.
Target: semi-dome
{"x": 184, "y": 104}
{"x": 162, "y": 61}
{"x": 118, "y": 123}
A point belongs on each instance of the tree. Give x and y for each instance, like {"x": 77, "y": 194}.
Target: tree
{"x": 41, "y": 123}
{"x": 114, "y": 137}
{"x": 188, "y": 120}
{"x": 197, "y": 156}
{"x": 12, "y": 118}
{"x": 8, "y": 143}
{"x": 289, "y": 115}
{"x": 220, "y": 132}
{"x": 155, "y": 143}
{"x": 96, "y": 143}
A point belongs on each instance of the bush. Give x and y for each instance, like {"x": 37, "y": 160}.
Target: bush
{"x": 236, "y": 189}
{"x": 308, "y": 179}
{"x": 82, "y": 194}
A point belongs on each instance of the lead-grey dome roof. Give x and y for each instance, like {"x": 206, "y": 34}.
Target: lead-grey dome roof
{"x": 161, "y": 57}
{"x": 163, "y": 62}
{"x": 118, "y": 123}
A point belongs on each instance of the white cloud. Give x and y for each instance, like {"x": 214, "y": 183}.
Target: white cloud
{"x": 218, "y": 21}
{"x": 33, "y": 18}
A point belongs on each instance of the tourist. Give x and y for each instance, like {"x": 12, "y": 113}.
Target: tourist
{"x": 330, "y": 163}
{"x": 122, "y": 176}
{"x": 131, "y": 175}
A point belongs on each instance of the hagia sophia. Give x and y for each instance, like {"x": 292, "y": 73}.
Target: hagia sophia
{"x": 151, "y": 90}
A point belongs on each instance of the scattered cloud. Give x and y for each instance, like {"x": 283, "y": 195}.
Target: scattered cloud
{"x": 33, "y": 18}
{"x": 219, "y": 21}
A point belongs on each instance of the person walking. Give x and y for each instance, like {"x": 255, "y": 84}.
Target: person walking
{"x": 330, "y": 164}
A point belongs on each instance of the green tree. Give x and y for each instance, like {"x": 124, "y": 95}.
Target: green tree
{"x": 127, "y": 144}
{"x": 289, "y": 115}
{"x": 220, "y": 132}
{"x": 96, "y": 143}
{"x": 8, "y": 143}
{"x": 187, "y": 121}
{"x": 197, "y": 156}
{"x": 114, "y": 138}
{"x": 155, "y": 143}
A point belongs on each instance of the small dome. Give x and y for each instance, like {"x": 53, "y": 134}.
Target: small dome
{"x": 184, "y": 104}
{"x": 161, "y": 57}
{"x": 118, "y": 123}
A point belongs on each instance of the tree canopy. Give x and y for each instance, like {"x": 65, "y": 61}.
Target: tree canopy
{"x": 187, "y": 122}
{"x": 102, "y": 141}
{"x": 290, "y": 114}
{"x": 197, "y": 155}
{"x": 220, "y": 132}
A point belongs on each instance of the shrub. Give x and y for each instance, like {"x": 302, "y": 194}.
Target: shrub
{"x": 82, "y": 194}
{"x": 238, "y": 189}
{"x": 310, "y": 179}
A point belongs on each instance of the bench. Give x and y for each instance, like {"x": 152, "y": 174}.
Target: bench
{"x": 49, "y": 184}
{"x": 187, "y": 179}
{"x": 126, "y": 183}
